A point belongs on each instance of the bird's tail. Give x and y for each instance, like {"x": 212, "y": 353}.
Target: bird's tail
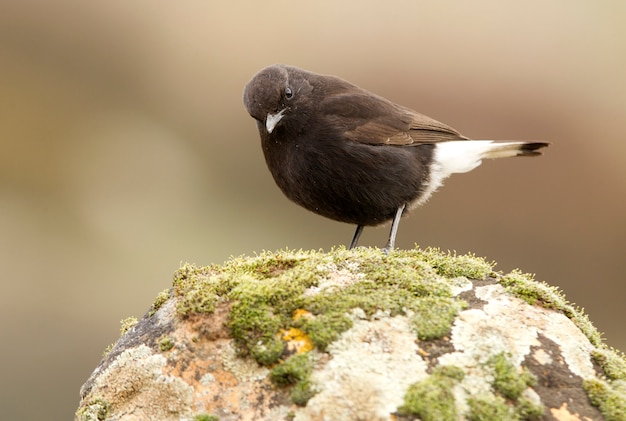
{"x": 465, "y": 155}
{"x": 508, "y": 149}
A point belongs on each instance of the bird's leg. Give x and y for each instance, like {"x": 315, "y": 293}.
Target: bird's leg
{"x": 394, "y": 230}
{"x": 355, "y": 238}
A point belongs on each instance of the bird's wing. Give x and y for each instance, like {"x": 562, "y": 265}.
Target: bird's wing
{"x": 367, "y": 118}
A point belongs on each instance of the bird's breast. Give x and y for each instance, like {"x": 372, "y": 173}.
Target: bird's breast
{"x": 345, "y": 180}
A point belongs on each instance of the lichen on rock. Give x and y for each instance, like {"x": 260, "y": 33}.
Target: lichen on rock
{"x": 357, "y": 334}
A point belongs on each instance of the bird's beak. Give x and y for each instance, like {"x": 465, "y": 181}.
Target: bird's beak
{"x": 272, "y": 120}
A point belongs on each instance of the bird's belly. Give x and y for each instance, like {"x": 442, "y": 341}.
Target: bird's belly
{"x": 358, "y": 184}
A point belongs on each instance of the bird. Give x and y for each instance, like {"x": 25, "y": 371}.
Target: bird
{"x": 353, "y": 156}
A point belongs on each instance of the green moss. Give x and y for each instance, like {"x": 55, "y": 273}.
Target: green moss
{"x": 127, "y": 324}
{"x": 395, "y": 284}
{"x": 205, "y": 417}
{"x": 524, "y": 286}
{"x": 325, "y": 328}
{"x": 294, "y": 369}
{"x": 433, "y": 316}
{"x": 195, "y": 290}
{"x": 452, "y": 266}
{"x": 165, "y": 343}
{"x": 528, "y": 410}
{"x": 450, "y": 371}
{"x": 540, "y": 293}
{"x": 508, "y": 381}
{"x": 489, "y": 408}
{"x": 264, "y": 292}
{"x": 160, "y": 299}
{"x": 255, "y": 329}
{"x": 609, "y": 397}
{"x": 612, "y": 361}
{"x": 107, "y": 350}
{"x": 95, "y": 410}
{"x": 302, "y": 392}
{"x": 267, "y": 352}
{"x": 296, "y": 372}
{"x": 432, "y": 399}
{"x": 399, "y": 270}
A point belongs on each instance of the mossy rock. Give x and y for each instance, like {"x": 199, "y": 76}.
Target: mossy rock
{"x": 357, "y": 334}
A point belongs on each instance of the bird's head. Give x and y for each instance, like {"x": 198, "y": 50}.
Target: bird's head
{"x": 275, "y": 94}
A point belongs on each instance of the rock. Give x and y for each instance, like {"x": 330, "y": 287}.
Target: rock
{"x": 357, "y": 335}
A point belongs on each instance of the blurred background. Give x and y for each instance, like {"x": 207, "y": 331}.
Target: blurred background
{"x": 125, "y": 150}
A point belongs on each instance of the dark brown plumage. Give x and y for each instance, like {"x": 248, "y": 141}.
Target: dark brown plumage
{"x": 353, "y": 156}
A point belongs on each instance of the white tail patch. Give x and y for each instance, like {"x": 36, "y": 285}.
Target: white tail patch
{"x": 463, "y": 156}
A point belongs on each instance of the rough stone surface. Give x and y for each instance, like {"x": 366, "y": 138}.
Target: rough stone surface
{"x": 368, "y": 370}
{"x": 187, "y": 359}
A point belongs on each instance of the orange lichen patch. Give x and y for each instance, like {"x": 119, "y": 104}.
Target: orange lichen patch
{"x": 422, "y": 352}
{"x": 563, "y": 414}
{"x": 297, "y": 341}
{"x": 221, "y": 380}
{"x": 197, "y": 355}
{"x": 300, "y": 313}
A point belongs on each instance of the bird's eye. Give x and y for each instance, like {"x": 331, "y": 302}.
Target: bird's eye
{"x": 288, "y": 93}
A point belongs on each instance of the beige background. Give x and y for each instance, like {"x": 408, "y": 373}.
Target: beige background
{"x": 125, "y": 150}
